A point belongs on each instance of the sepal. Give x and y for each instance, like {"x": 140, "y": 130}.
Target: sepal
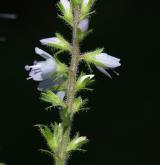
{"x": 86, "y": 8}
{"x": 78, "y": 104}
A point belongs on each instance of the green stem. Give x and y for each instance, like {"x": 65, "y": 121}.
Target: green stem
{"x": 70, "y": 89}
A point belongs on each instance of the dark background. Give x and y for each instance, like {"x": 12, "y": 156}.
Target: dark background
{"x": 123, "y": 124}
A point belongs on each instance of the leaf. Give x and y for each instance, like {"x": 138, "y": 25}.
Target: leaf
{"x": 53, "y": 135}
{"x": 48, "y": 134}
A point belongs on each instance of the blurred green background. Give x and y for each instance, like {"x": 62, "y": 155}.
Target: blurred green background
{"x": 123, "y": 124}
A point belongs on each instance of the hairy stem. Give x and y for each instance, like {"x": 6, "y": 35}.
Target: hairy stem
{"x": 70, "y": 88}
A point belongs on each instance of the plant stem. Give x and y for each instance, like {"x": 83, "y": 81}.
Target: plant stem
{"x": 70, "y": 89}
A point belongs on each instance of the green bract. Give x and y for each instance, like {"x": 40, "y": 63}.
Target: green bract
{"x": 83, "y": 81}
{"x": 76, "y": 143}
{"x": 52, "y": 98}
{"x": 52, "y": 135}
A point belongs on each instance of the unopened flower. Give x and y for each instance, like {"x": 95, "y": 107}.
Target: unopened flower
{"x": 52, "y": 40}
{"x": 66, "y": 5}
{"x": 83, "y": 25}
{"x": 57, "y": 42}
{"x": 108, "y": 62}
{"x": 102, "y": 61}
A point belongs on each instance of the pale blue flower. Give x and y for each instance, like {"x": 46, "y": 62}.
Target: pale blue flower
{"x": 43, "y": 71}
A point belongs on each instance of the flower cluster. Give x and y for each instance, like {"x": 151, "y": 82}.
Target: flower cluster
{"x": 59, "y": 83}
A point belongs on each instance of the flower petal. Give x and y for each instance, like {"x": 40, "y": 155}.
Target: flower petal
{"x": 103, "y": 71}
{"x": 47, "y": 41}
{"x": 84, "y": 24}
{"x": 42, "y": 53}
{"x": 107, "y": 60}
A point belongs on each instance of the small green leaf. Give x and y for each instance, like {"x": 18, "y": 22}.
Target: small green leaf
{"x": 48, "y": 134}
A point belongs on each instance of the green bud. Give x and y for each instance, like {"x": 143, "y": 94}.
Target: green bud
{"x": 65, "y": 8}
{"x": 86, "y": 8}
{"x": 79, "y": 104}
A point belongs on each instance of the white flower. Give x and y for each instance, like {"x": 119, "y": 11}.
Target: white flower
{"x": 66, "y": 5}
{"x": 108, "y": 62}
{"x": 53, "y": 40}
{"x": 83, "y": 25}
{"x": 41, "y": 70}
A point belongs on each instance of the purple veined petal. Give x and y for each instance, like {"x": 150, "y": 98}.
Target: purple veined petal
{"x": 42, "y": 53}
{"x": 61, "y": 94}
{"x": 103, "y": 71}
{"x": 84, "y": 24}
{"x": 47, "y": 41}
{"x": 107, "y": 60}
{"x": 65, "y": 4}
